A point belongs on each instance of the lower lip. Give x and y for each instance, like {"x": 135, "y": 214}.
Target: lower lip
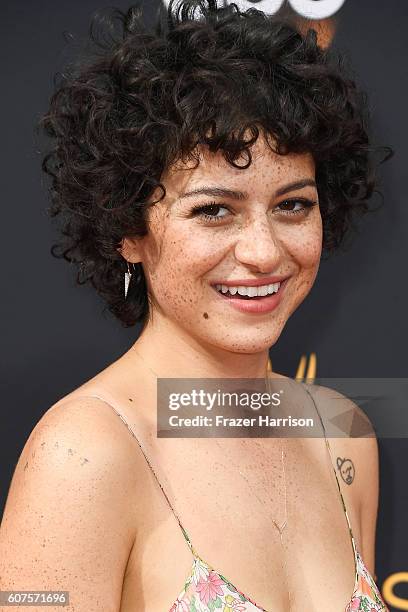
{"x": 258, "y": 305}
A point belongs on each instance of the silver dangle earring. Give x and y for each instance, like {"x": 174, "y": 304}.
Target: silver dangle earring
{"x": 128, "y": 276}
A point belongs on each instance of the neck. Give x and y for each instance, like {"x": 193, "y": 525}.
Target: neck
{"x": 169, "y": 352}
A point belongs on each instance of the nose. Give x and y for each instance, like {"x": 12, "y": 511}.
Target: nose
{"x": 258, "y": 246}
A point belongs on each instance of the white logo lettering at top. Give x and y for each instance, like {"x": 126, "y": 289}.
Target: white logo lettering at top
{"x": 316, "y": 9}
{"x": 312, "y": 9}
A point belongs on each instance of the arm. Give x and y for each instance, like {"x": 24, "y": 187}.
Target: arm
{"x": 368, "y": 451}
{"x": 68, "y": 522}
{"x": 361, "y": 497}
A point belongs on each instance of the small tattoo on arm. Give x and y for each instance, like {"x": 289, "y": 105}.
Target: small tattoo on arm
{"x": 346, "y": 469}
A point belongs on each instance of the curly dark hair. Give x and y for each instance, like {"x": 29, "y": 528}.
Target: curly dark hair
{"x": 203, "y": 75}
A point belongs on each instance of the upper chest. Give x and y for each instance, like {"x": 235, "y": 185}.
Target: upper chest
{"x": 231, "y": 496}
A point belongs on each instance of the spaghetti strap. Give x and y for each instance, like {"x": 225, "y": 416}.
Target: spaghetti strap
{"x": 334, "y": 469}
{"x": 185, "y": 534}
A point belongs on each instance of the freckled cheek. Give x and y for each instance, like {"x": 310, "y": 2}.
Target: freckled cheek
{"x": 184, "y": 261}
{"x": 305, "y": 250}
{"x": 305, "y": 245}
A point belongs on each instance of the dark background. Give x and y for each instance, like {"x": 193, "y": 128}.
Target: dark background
{"x": 55, "y": 337}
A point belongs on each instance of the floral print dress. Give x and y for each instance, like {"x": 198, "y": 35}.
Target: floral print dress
{"x": 206, "y": 590}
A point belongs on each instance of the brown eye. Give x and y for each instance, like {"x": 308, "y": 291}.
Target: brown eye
{"x": 210, "y": 212}
{"x": 295, "y": 206}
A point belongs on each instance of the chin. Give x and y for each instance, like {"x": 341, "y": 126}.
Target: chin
{"x": 247, "y": 342}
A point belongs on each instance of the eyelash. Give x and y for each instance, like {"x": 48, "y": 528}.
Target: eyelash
{"x": 199, "y": 210}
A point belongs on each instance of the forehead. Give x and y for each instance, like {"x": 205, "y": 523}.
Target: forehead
{"x": 267, "y": 171}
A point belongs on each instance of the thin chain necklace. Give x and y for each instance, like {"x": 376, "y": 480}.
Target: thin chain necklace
{"x": 280, "y": 527}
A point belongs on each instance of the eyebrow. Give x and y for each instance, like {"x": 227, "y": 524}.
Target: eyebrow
{"x": 222, "y": 192}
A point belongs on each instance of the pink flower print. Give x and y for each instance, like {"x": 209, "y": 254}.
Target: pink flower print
{"x": 208, "y": 588}
{"x": 180, "y": 605}
{"x": 354, "y": 604}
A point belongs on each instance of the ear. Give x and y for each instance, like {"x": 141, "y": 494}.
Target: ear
{"x": 131, "y": 249}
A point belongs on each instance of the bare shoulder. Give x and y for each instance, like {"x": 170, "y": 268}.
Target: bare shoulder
{"x": 332, "y": 405}
{"x": 356, "y": 457}
{"x": 349, "y": 429}
{"x": 69, "y": 519}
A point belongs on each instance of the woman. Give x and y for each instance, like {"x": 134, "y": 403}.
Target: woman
{"x": 219, "y": 153}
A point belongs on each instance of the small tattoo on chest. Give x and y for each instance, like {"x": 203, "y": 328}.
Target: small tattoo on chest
{"x": 346, "y": 469}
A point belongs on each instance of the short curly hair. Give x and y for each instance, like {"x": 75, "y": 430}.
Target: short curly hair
{"x": 202, "y": 75}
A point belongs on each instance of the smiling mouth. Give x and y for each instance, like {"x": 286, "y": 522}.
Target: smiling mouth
{"x": 244, "y": 292}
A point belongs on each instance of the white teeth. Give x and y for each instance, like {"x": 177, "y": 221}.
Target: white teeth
{"x": 260, "y": 291}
